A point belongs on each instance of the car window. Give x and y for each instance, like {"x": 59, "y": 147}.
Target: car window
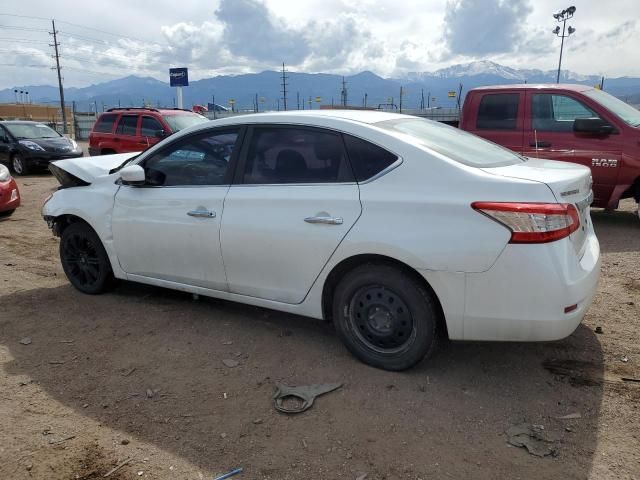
{"x": 127, "y": 125}
{"x": 556, "y": 113}
{"x": 366, "y": 158}
{"x": 498, "y": 111}
{"x": 149, "y": 127}
{"x": 296, "y": 155}
{"x": 452, "y": 142}
{"x": 105, "y": 123}
{"x": 199, "y": 160}
{"x": 31, "y": 130}
{"x": 179, "y": 121}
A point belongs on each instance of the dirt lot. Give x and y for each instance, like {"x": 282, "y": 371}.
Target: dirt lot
{"x": 138, "y": 374}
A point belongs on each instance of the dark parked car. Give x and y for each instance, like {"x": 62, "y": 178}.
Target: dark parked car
{"x": 26, "y": 146}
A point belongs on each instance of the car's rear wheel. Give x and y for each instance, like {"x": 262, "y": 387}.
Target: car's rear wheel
{"x": 385, "y": 317}
{"x": 18, "y": 164}
{"x": 84, "y": 260}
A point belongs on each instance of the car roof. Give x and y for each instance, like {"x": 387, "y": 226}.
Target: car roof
{"x": 23, "y": 122}
{"x": 361, "y": 116}
{"x": 148, "y": 110}
{"x": 537, "y": 86}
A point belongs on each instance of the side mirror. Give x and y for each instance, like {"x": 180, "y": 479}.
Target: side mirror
{"x": 595, "y": 126}
{"x": 132, "y": 175}
{"x": 160, "y": 134}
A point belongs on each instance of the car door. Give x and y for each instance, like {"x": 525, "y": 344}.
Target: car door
{"x": 293, "y": 200}
{"x": 126, "y": 138}
{"x": 550, "y": 128}
{"x": 500, "y": 118}
{"x": 169, "y": 228}
{"x": 4, "y": 145}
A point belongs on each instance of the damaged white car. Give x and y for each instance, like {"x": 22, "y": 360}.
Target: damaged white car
{"x": 391, "y": 226}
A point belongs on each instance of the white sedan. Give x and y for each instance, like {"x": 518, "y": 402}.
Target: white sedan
{"x": 391, "y": 226}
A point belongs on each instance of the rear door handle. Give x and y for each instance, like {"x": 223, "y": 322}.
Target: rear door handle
{"x": 201, "y": 213}
{"x": 540, "y": 144}
{"x": 325, "y": 220}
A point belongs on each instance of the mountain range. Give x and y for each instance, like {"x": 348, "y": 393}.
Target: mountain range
{"x": 267, "y": 86}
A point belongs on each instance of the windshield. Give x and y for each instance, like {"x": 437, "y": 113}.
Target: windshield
{"x": 31, "y": 130}
{"x": 453, "y": 143}
{"x": 178, "y": 122}
{"x": 626, "y": 112}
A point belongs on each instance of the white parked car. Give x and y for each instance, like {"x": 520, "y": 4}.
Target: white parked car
{"x": 391, "y": 226}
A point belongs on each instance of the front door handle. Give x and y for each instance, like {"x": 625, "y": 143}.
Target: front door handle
{"x": 540, "y": 144}
{"x": 325, "y": 220}
{"x": 201, "y": 213}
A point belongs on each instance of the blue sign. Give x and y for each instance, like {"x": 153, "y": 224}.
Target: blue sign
{"x": 178, "y": 77}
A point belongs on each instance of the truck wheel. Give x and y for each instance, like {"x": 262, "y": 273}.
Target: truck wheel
{"x": 384, "y": 317}
{"x": 84, "y": 259}
{"x": 18, "y": 164}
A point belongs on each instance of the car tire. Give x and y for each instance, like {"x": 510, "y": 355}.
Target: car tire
{"x": 384, "y": 317}
{"x": 18, "y": 165}
{"x": 84, "y": 259}
{"x": 7, "y": 213}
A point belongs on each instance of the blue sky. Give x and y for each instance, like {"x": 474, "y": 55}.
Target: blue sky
{"x": 105, "y": 40}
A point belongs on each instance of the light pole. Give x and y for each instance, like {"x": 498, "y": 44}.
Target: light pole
{"x": 563, "y": 16}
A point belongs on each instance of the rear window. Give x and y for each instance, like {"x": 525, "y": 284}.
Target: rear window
{"x": 366, "y": 158}
{"x": 105, "y": 123}
{"x": 498, "y": 111}
{"x": 453, "y": 143}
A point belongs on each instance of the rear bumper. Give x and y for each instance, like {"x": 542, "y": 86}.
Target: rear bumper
{"x": 524, "y": 295}
{"x": 9, "y": 196}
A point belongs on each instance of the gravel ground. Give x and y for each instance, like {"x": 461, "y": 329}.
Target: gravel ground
{"x": 137, "y": 375}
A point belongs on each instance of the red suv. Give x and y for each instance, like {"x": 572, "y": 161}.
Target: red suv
{"x": 121, "y": 130}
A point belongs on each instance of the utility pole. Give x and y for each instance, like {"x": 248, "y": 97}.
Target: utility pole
{"x": 366, "y": 95}
{"x": 459, "y": 95}
{"x": 429, "y": 100}
{"x": 343, "y": 93}
{"x": 284, "y": 88}
{"x": 422, "y": 99}
{"x": 401, "y": 95}
{"x": 57, "y": 57}
{"x": 298, "y": 99}
{"x": 310, "y": 103}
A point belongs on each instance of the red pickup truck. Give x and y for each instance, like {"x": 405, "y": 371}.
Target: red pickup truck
{"x": 571, "y": 123}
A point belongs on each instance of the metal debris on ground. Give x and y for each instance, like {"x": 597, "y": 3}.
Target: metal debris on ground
{"x": 230, "y": 362}
{"x": 305, "y": 393}
{"x": 229, "y": 474}
{"x": 599, "y": 330}
{"x": 117, "y": 467}
{"x": 26, "y": 341}
{"x": 570, "y": 416}
{"x": 532, "y": 438}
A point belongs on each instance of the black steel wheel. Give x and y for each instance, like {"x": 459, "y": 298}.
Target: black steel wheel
{"x": 84, "y": 259}
{"x": 19, "y": 165}
{"x": 384, "y": 317}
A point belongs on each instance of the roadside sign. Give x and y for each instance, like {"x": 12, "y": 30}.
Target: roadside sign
{"x": 318, "y": 99}
{"x": 232, "y": 101}
{"x": 178, "y": 77}
{"x": 451, "y": 94}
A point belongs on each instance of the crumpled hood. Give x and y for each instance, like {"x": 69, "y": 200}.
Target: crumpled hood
{"x": 88, "y": 169}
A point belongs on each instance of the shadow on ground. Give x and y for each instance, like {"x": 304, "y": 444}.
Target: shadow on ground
{"x": 445, "y": 417}
{"x": 617, "y": 231}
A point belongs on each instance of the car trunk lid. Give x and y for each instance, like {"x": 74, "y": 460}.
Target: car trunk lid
{"x": 569, "y": 183}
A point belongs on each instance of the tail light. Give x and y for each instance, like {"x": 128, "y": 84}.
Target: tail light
{"x": 533, "y": 222}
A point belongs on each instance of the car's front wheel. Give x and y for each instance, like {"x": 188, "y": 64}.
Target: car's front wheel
{"x": 19, "y": 165}
{"x": 385, "y": 317}
{"x": 84, "y": 260}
